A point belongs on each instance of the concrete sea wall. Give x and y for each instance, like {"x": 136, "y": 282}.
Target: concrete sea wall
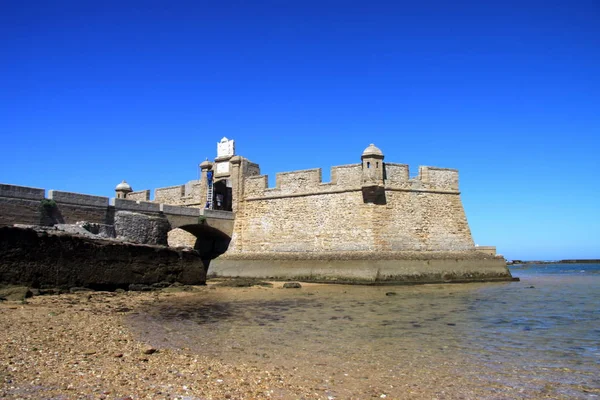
{"x": 365, "y": 268}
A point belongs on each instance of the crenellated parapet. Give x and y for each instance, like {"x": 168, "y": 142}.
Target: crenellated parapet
{"x": 350, "y": 178}
{"x": 371, "y": 206}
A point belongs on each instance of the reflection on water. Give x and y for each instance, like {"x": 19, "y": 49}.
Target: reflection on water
{"x": 531, "y": 339}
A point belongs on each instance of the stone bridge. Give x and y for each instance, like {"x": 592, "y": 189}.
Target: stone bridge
{"x": 25, "y": 205}
{"x": 187, "y": 218}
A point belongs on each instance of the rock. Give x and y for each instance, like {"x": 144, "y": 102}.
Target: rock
{"x": 136, "y": 287}
{"x": 77, "y": 289}
{"x": 141, "y": 228}
{"x": 390, "y": 294}
{"x": 161, "y": 285}
{"x": 49, "y": 291}
{"x": 54, "y": 259}
{"x": 101, "y": 230}
{"x": 15, "y": 293}
{"x": 73, "y": 230}
{"x": 149, "y": 350}
{"x": 243, "y": 282}
{"x": 292, "y": 285}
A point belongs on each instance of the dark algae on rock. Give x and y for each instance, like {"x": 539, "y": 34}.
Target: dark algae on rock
{"x": 42, "y": 259}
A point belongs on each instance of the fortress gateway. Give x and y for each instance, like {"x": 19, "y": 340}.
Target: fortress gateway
{"x": 371, "y": 223}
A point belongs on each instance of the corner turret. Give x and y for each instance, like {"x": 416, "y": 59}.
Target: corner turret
{"x": 123, "y": 189}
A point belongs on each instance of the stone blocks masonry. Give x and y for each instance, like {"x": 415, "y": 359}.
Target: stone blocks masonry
{"x": 372, "y": 223}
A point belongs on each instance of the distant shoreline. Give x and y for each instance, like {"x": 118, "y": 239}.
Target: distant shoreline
{"x": 585, "y": 261}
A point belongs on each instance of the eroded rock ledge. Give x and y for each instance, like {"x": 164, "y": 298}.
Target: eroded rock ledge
{"x": 58, "y": 259}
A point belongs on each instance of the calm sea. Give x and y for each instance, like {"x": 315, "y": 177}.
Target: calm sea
{"x": 537, "y": 338}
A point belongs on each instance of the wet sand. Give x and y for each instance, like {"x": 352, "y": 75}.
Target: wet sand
{"x": 318, "y": 342}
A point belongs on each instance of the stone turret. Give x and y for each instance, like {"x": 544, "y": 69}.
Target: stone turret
{"x": 123, "y": 189}
{"x": 372, "y": 175}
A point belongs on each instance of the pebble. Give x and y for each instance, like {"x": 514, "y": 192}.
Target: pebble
{"x": 149, "y": 350}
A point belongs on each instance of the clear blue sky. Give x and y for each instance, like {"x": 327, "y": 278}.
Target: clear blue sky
{"x": 508, "y": 92}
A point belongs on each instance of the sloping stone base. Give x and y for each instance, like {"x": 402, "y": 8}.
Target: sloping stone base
{"x": 359, "y": 268}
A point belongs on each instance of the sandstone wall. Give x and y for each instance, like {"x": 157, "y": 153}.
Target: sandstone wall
{"x": 170, "y": 195}
{"x": 140, "y": 195}
{"x": 20, "y": 205}
{"x": 74, "y": 207}
{"x": 191, "y": 194}
{"x": 302, "y": 214}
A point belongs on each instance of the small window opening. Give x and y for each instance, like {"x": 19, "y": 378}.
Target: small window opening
{"x": 377, "y": 165}
{"x": 368, "y": 164}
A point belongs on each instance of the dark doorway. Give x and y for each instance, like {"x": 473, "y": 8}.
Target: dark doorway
{"x": 222, "y": 196}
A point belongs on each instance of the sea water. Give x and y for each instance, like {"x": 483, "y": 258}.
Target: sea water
{"x": 537, "y": 338}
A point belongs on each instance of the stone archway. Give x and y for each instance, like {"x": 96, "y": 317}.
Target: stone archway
{"x": 208, "y": 241}
{"x": 180, "y": 238}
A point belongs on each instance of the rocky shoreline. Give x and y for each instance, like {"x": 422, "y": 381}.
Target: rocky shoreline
{"x": 53, "y": 259}
{"x": 77, "y": 346}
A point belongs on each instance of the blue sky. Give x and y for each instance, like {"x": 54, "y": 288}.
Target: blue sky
{"x": 507, "y": 92}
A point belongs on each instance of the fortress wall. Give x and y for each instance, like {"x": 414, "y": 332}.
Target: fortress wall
{"x": 321, "y": 222}
{"x": 196, "y": 194}
{"x": 170, "y": 195}
{"x": 305, "y": 182}
{"x": 396, "y": 173}
{"x": 256, "y": 185}
{"x": 135, "y": 206}
{"x": 141, "y": 195}
{"x": 421, "y": 221}
{"x": 336, "y": 222}
{"x": 441, "y": 178}
{"x": 346, "y": 175}
{"x": 301, "y": 214}
{"x": 180, "y": 210}
{"x": 78, "y": 199}
{"x": 250, "y": 168}
{"x": 349, "y": 177}
{"x": 297, "y": 181}
{"x": 74, "y": 207}
{"x": 73, "y": 213}
{"x": 191, "y": 194}
{"x": 22, "y": 192}
{"x": 20, "y": 204}
{"x": 19, "y": 211}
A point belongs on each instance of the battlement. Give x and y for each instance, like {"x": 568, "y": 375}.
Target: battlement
{"x": 22, "y": 192}
{"x": 349, "y": 178}
{"x": 77, "y": 199}
{"x": 135, "y": 206}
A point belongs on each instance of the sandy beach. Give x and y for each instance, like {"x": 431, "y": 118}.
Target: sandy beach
{"x": 107, "y": 345}
{"x": 76, "y": 346}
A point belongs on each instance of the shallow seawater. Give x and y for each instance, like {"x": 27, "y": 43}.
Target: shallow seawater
{"x": 537, "y": 338}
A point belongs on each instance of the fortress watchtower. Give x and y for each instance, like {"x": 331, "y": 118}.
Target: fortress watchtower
{"x": 372, "y": 175}
{"x": 123, "y": 189}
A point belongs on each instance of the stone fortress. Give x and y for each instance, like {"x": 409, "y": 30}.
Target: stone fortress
{"x": 371, "y": 224}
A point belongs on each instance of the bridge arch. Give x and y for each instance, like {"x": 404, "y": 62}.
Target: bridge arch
{"x": 209, "y": 241}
